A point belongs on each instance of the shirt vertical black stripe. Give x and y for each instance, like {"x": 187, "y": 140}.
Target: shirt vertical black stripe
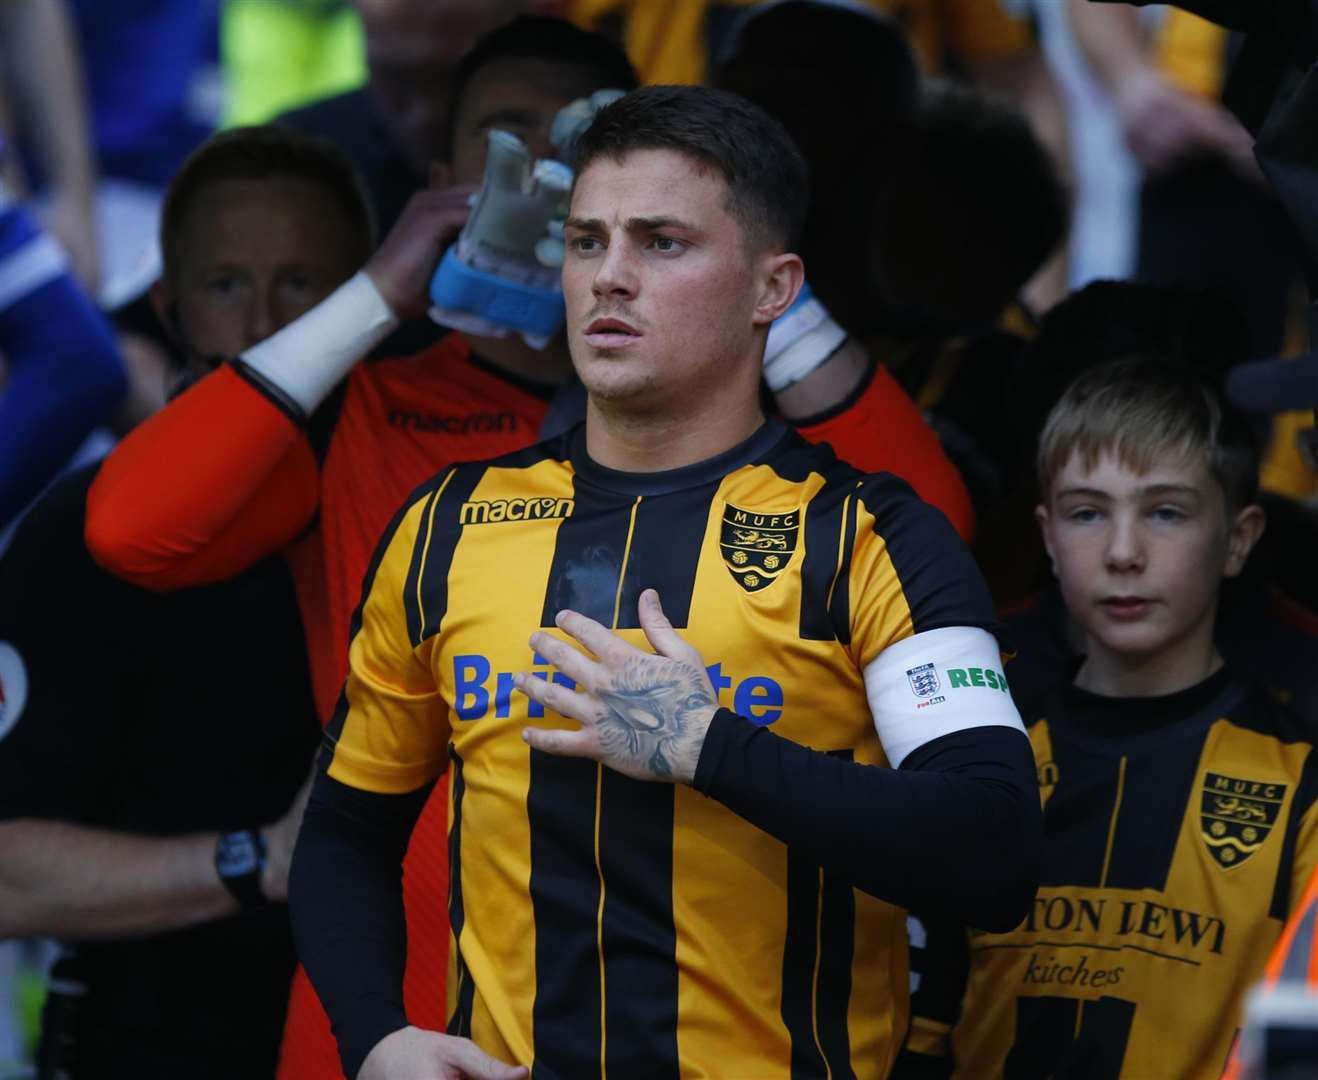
{"x": 1157, "y": 789}
{"x": 445, "y": 533}
{"x": 588, "y": 555}
{"x": 1301, "y": 802}
{"x": 1047, "y": 1044}
{"x": 411, "y": 607}
{"x": 565, "y": 900}
{"x": 460, "y": 1022}
{"x": 638, "y": 935}
{"x": 335, "y": 726}
{"x": 800, "y": 949}
{"x": 823, "y": 526}
{"x": 665, "y": 553}
{"x": 839, "y": 605}
{"x": 565, "y": 882}
{"x": 837, "y": 932}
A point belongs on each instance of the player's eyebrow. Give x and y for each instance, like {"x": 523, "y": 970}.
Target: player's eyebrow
{"x": 505, "y": 115}
{"x": 633, "y": 224}
{"x": 1171, "y": 489}
{"x": 1083, "y": 493}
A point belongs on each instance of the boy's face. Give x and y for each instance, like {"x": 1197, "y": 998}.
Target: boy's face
{"x": 1140, "y": 557}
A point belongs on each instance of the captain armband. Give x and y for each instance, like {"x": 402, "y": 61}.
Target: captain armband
{"x": 935, "y": 683}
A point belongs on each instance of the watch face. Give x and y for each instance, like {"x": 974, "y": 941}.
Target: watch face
{"x": 237, "y": 854}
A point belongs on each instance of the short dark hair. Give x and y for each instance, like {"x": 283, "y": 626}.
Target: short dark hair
{"x": 1143, "y": 409}
{"x": 258, "y": 153}
{"x": 984, "y": 177}
{"x": 768, "y": 190}
{"x": 540, "y": 37}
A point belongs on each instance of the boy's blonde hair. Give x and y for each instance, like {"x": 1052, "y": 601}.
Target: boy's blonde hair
{"x": 1145, "y": 410}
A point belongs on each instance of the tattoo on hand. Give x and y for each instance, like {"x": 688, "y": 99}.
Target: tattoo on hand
{"x": 647, "y": 719}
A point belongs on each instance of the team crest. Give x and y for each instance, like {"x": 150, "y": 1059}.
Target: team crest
{"x": 1237, "y": 815}
{"x": 756, "y": 546}
{"x": 923, "y": 679}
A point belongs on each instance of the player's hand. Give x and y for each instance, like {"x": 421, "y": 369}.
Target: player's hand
{"x": 1165, "y": 126}
{"x": 643, "y": 714}
{"x": 413, "y": 1054}
{"x": 280, "y": 839}
{"x": 401, "y": 269}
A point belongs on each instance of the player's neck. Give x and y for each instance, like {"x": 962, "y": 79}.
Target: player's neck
{"x": 1179, "y": 666}
{"x": 653, "y": 441}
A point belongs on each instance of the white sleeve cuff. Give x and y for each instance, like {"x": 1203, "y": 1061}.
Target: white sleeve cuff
{"x": 308, "y": 357}
{"x": 935, "y": 683}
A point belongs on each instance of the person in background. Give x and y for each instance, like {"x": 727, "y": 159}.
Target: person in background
{"x": 154, "y": 749}
{"x": 395, "y": 126}
{"x": 62, "y": 373}
{"x": 1207, "y": 217}
{"x": 43, "y": 87}
{"x": 1179, "y": 798}
{"x": 989, "y": 45}
{"x": 937, "y": 254}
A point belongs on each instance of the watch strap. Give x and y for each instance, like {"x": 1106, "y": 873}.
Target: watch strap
{"x": 239, "y": 860}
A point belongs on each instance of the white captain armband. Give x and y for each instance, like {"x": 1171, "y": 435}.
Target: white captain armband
{"x": 934, "y": 683}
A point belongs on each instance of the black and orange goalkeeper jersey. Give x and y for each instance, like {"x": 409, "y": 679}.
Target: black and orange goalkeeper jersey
{"x": 1179, "y": 832}
{"x": 604, "y": 926}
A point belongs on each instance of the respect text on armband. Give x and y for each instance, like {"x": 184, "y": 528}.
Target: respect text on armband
{"x": 478, "y": 689}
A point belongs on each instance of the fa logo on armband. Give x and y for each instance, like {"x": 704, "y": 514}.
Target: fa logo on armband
{"x": 924, "y": 680}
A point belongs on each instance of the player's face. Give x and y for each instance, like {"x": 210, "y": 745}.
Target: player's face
{"x": 253, "y": 255}
{"x": 519, "y": 96}
{"x": 664, "y": 300}
{"x": 412, "y": 47}
{"x": 1140, "y": 556}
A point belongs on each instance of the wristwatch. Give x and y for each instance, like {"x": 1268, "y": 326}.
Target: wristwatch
{"x": 239, "y": 860}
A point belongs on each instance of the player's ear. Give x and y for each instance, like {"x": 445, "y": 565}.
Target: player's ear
{"x": 1246, "y": 528}
{"x": 166, "y": 309}
{"x": 780, "y": 279}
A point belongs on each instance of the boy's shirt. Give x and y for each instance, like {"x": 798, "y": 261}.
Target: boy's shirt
{"x": 1178, "y": 833}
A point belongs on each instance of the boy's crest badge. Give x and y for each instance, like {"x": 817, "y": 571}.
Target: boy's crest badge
{"x": 1236, "y": 816}
{"x": 924, "y": 680}
{"x": 758, "y": 546}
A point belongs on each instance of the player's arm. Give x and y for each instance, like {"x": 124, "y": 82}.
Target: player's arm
{"x": 828, "y": 386}
{"x": 224, "y": 475}
{"x": 63, "y": 373}
{"x": 1163, "y": 124}
{"x": 39, "y": 56}
{"x": 79, "y": 883}
{"x": 64, "y": 670}
{"x": 953, "y": 827}
{"x": 384, "y": 749}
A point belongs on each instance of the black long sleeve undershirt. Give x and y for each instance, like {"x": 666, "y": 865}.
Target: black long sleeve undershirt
{"x": 956, "y": 830}
{"x": 345, "y": 898}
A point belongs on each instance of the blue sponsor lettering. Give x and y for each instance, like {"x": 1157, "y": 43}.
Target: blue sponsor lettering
{"x": 758, "y": 697}
{"x": 470, "y": 698}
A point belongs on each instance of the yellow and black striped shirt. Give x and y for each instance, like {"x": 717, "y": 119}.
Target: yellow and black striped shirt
{"x": 603, "y": 926}
{"x": 1179, "y": 831}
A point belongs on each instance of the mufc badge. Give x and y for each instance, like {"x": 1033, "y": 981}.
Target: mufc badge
{"x": 1236, "y": 816}
{"x": 758, "y": 546}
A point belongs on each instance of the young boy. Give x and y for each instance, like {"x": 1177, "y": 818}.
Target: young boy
{"x": 1178, "y": 802}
